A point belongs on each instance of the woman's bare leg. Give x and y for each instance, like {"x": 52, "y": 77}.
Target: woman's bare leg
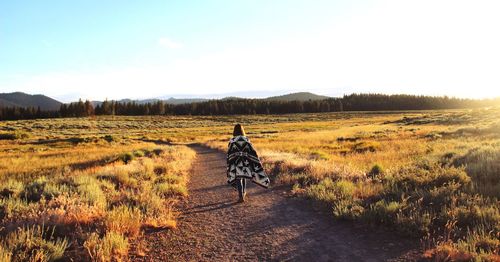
{"x": 241, "y": 189}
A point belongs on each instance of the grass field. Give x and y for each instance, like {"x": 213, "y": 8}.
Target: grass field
{"x": 76, "y": 197}
{"x": 87, "y": 186}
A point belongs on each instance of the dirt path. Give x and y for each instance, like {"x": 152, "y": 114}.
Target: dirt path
{"x": 269, "y": 227}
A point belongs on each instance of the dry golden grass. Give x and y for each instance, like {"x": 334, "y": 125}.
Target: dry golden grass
{"x": 433, "y": 173}
{"x": 49, "y": 159}
{"x": 123, "y": 220}
{"x": 106, "y": 190}
{"x": 111, "y": 247}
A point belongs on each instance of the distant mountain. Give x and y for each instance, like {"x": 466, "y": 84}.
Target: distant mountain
{"x": 177, "y": 101}
{"x": 300, "y": 96}
{"x": 232, "y": 98}
{"x": 46, "y": 103}
{"x": 20, "y": 99}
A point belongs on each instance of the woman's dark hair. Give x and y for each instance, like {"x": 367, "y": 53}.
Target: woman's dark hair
{"x": 238, "y": 130}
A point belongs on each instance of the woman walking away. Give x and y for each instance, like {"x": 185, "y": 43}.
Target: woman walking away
{"x": 243, "y": 163}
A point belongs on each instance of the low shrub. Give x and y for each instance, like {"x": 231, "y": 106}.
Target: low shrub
{"x": 329, "y": 191}
{"x": 139, "y": 153}
{"x": 11, "y": 188}
{"x": 127, "y": 157}
{"x": 348, "y": 209}
{"x": 427, "y": 177}
{"x": 383, "y": 211}
{"x": 302, "y": 179}
{"x": 33, "y": 191}
{"x": 77, "y": 140}
{"x": 109, "y": 138}
{"x": 369, "y": 146}
{"x": 120, "y": 177}
{"x": 157, "y": 151}
{"x": 13, "y": 136}
{"x": 376, "y": 171}
{"x": 320, "y": 155}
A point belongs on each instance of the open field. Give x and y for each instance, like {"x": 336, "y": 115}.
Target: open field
{"x": 89, "y": 186}
{"x": 85, "y": 199}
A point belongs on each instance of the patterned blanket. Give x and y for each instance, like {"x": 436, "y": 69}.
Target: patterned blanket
{"x": 243, "y": 162}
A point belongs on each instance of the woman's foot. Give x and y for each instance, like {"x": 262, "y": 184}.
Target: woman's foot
{"x": 241, "y": 199}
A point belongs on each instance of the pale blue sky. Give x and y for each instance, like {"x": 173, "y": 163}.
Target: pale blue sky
{"x": 140, "y": 49}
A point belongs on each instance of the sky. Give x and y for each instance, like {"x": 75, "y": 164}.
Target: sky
{"x": 94, "y": 49}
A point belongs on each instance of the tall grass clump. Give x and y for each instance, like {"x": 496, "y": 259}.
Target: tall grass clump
{"x": 158, "y": 212}
{"x": 167, "y": 189}
{"x": 90, "y": 191}
{"x": 483, "y": 165}
{"x": 35, "y": 243}
{"x": 124, "y": 220}
{"x": 112, "y": 247}
{"x": 5, "y": 255}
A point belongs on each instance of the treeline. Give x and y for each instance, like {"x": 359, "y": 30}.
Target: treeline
{"x": 354, "y": 102}
{"x": 378, "y": 102}
{"x": 16, "y": 113}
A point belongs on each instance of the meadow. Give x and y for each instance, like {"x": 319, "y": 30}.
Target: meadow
{"x": 85, "y": 198}
{"x": 91, "y": 187}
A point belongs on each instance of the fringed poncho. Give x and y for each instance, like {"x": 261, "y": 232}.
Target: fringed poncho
{"x": 243, "y": 162}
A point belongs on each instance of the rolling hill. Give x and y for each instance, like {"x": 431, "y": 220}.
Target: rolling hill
{"x": 300, "y": 96}
{"x": 176, "y": 101}
{"x": 20, "y": 99}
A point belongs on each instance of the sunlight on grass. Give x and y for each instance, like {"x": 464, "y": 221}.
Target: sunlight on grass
{"x": 432, "y": 174}
{"x": 429, "y": 174}
{"x": 115, "y": 197}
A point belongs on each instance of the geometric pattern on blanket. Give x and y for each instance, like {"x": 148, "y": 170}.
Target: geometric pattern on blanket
{"x": 243, "y": 162}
